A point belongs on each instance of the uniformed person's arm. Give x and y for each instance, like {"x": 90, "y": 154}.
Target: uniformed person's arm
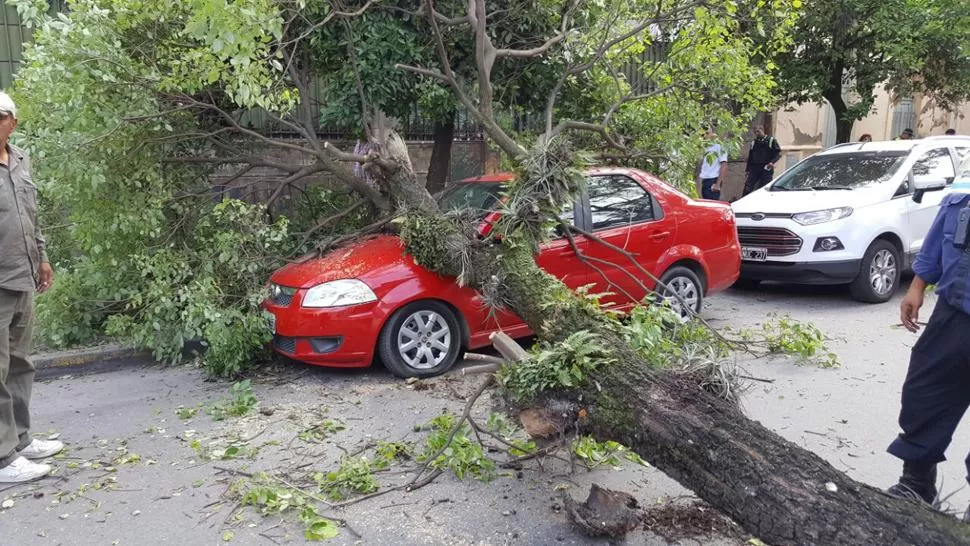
{"x": 928, "y": 268}
{"x": 776, "y": 148}
{"x": 929, "y": 262}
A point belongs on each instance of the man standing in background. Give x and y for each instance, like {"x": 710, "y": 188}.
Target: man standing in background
{"x": 713, "y": 168}
{"x": 760, "y": 169}
{"x": 23, "y": 269}
{"x": 907, "y": 134}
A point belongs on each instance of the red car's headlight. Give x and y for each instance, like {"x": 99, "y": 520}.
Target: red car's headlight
{"x": 338, "y": 294}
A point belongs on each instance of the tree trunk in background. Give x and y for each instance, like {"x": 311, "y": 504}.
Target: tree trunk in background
{"x": 439, "y": 171}
{"x": 843, "y": 130}
{"x": 843, "y": 125}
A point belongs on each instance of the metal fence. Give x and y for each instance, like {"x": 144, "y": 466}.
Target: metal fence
{"x": 13, "y": 36}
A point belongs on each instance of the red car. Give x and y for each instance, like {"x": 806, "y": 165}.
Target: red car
{"x": 370, "y": 299}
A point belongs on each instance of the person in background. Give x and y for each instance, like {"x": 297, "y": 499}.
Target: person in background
{"x": 865, "y": 138}
{"x": 760, "y": 169}
{"x": 950, "y": 132}
{"x": 907, "y": 134}
{"x": 936, "y": 392}
{"x": 24, "y": 269}
{"x": 713, "y": 168}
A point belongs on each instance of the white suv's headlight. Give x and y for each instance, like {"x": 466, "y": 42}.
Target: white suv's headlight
{"x": 821, "y": 216}
{"x": 338, "y": 293}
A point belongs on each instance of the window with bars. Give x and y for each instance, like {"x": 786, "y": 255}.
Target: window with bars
{"x": 11, "y": 43}
{"x": 904, "y": 116}
{"x": 13, "y": 35}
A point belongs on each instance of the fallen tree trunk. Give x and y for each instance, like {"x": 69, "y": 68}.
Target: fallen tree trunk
{"x": 773, "y": 488}
{"x": 776, "y": 490}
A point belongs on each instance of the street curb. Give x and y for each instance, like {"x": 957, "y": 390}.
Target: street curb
{"x": 112, "y": 356}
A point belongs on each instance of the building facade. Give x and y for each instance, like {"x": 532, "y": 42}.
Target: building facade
{"x": 805, "y": 129}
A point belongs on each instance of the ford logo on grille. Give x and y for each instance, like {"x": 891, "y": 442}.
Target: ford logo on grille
{"x": 758, "y": 216}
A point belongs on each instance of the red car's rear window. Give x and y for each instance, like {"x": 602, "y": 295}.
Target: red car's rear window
{"x": 479, "y": 198}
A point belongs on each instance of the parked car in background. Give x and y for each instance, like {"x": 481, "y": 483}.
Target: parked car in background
{"x": 370, "y": 299}
{"x": 853, "y": 214}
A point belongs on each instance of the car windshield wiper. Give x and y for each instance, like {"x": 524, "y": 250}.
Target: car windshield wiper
{"x": 824, "y": 188}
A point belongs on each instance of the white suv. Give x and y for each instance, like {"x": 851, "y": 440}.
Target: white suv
{"x": 853, "y": 214}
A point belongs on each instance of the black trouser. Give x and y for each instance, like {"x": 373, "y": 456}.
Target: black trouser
{"x": 707, "y": 189}
{"x": 758, "y": 176}
{"x": 936, "y": 393}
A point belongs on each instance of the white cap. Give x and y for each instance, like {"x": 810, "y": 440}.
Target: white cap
{"x": 7, "y": 105}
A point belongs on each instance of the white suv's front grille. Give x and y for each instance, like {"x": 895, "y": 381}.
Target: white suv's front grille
{"x": 778, "y": 241}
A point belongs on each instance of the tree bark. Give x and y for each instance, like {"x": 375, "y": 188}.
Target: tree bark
{"x": 843, "y": 124}
{"x": 776, "y": 490}
{"x": 439, "y": 171}
{"x": 833, "y": 94}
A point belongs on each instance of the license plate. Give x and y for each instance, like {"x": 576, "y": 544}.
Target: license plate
{"x": 754, "y": 254}
{"x": 272, "y": 323}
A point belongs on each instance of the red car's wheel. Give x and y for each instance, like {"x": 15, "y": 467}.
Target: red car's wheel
{"x": 422, "y": 339}
{"x": 683, "y": 291}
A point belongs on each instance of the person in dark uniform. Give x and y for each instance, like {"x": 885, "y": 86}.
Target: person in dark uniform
{"x": 936, "y": 392}
{"x": 760, "y": 169}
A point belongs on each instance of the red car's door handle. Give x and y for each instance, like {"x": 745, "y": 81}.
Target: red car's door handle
{"x": 659, "y": 235}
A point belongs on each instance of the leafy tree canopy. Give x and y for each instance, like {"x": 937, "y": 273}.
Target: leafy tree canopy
{"x": 845, "y": 50}
{"x": 130, "y": 106}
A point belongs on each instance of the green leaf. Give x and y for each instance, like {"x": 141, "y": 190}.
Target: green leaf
{"x": 322, "y": 529}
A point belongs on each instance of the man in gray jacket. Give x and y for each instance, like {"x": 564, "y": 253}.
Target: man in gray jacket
{"x": 24, "y": 269}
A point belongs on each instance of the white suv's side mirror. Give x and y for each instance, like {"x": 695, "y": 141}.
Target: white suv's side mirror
{"x": 928, "y": 182}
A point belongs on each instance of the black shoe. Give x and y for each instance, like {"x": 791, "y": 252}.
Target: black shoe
{"x": 918, "y": 483}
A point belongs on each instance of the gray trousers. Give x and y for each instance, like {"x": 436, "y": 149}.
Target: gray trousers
{"x": 16, "y": 372}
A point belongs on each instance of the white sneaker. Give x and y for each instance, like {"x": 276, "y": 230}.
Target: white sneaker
{"x": 41, "y": 449}
{"x": 22, "y": 470}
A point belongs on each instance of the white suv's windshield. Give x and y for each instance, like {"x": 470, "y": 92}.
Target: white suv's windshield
{"x": 840, "y": 171}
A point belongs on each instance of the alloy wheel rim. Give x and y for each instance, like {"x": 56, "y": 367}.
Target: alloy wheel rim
{"x": 882, "y": 272}
{"x": 688, "y": 293}
{"x": 424, "y": 340}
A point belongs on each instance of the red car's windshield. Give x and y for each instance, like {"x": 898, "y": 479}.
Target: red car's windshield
{"x": 478, "y": 198}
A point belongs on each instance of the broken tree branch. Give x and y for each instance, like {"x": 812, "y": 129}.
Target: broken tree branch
{"x": 454, "y": 431}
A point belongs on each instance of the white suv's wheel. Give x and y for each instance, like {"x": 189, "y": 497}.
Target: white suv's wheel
{"x": 879, "y": 273}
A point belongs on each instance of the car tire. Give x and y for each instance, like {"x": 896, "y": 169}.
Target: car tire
{"x": 421, "y": 339}
{"x": 879, "y": 273}
{"x": 684, "y": 282}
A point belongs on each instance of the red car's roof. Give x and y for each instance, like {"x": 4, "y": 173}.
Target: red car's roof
{"x": 501, "y": 178}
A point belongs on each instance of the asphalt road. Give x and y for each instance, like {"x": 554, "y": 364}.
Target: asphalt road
{"x": 132, "y": 476}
